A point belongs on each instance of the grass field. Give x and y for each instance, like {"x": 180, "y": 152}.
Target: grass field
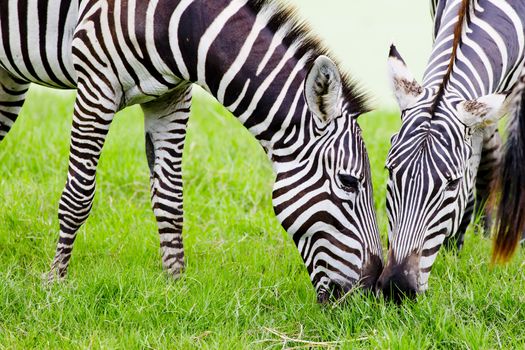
{"x": 245, "y": 284}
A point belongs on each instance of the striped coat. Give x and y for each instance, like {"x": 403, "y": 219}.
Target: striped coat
{"x": 257, "y": 59}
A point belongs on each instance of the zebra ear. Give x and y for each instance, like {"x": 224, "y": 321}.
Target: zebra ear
{"x": 483, "y": 111}
{"x": 406, "y": 89}
{"x": 323, "y": 89}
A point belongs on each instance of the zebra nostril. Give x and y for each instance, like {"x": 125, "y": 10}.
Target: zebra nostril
{"x": 323, "y": 297}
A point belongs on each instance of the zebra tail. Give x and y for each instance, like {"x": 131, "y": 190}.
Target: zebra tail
{"x": 510, "y": 219}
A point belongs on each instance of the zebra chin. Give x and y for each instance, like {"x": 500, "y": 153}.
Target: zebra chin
{"x": 336, "y": 288}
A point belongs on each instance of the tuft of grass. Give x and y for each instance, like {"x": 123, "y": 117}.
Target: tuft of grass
{"x": 245, "y": 285}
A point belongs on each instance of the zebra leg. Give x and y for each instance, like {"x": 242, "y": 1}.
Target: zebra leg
{"x": 487, "y": 171}
{"x": 91, "y": 121}
{"x": 12, "y": 96}
{"x": 165, "y": 126}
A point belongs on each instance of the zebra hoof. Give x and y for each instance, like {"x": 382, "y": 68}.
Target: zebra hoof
{"x": 174, "y": 271}
{"x": 57, "y": 273}
{"x": 53, "y": 277}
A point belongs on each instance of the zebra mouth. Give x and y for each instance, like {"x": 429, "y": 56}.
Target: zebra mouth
{"x": 335, "y": 291}
{"x": 338, "y": 289}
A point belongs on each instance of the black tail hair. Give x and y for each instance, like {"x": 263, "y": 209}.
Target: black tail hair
{"x": 510, "y": 219}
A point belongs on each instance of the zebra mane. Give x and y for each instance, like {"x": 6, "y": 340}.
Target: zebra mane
{"x": 458, "y": 32}
{"x": 300, "y": 34}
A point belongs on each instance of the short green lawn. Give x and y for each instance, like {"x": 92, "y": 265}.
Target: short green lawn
{"x": 245, "y": 284}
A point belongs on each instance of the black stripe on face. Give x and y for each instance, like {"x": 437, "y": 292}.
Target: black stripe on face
{"x": 428, "y": 193}
{"x": 339, "y": 150}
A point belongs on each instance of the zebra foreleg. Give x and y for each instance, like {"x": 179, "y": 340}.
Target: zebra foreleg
{"x": 12, "y": 96}
{"x": 487, "y": 171}
{"x": 91, "y": 121}
{"x": 165, "y": 126}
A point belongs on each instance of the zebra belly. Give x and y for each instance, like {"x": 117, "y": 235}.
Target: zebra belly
{"x": 35, "y": 40}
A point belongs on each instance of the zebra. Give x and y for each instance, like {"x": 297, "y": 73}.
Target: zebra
{"x": 448, "y": 122}
{"x": 257, "y": 59}
{"x": 490, "y": 158}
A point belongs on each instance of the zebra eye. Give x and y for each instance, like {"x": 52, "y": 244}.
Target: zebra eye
{"x": 453, "y": 185}
{"x": 349, "y": 183}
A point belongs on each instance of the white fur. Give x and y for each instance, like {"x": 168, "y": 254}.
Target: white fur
{"x": 398, "y": 71}
{"x": 488, "y": 110}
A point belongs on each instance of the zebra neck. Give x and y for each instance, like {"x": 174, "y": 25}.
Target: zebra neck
{"x": 253, "y": 65}
{"x": 490, "y": 51}
{"x": 275, "y": 110}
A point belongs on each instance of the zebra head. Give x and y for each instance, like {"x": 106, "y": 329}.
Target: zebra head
{"x": 323, "y": 192}
{"x": 432, "y": 165}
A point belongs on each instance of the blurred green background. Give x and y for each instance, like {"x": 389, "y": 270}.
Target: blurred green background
{"x": 360, "y": 32}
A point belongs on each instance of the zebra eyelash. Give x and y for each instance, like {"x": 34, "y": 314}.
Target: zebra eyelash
{"x": 349, "y": 183}
{"x": 453, "y": 184}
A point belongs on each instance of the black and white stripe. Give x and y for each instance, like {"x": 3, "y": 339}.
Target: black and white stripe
{"x": 257, "y": 60}
{"x": 448, "y": 130}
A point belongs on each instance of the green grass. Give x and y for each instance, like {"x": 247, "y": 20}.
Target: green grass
{"x": 245, "y": 284}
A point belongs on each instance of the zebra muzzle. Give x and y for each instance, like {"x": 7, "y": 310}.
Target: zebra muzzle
{"x": 336, "y": 291}
{"x": 399, "y": 281}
